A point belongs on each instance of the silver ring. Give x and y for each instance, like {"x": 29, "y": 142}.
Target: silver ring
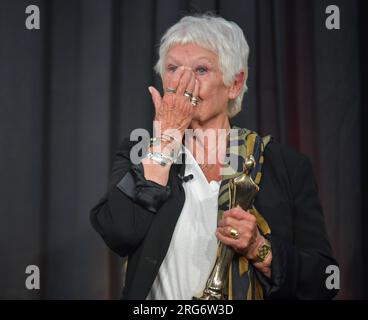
{"x": 188, "y": 94}
{"x": 194, "y": 101}
{"x": 170, "y": 90}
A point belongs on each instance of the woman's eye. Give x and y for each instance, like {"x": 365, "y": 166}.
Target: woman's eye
{"x": 201, "y": 70}
{"x": 172, "y": 68}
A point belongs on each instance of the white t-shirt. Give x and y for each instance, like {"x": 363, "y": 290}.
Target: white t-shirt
{"x": 192, "y": 251}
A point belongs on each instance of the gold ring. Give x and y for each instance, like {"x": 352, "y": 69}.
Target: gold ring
{"x": 170, "y": 90}
{"x": 234, "y": 233}
{"x": 188, "y": 94}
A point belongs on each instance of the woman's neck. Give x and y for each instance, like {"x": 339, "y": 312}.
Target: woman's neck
{"x": 214, "y": 123}
{"x": 208, "y": 143}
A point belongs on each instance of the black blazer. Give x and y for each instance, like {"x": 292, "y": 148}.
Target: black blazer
{"x": 288, "y": 200}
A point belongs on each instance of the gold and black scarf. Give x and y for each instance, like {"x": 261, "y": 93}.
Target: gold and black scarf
{"x": 242, "y": 281}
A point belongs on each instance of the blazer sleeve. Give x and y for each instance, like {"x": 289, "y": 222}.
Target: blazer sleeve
{"x": 124, "y": 214}
{"x": 298, "y": 269}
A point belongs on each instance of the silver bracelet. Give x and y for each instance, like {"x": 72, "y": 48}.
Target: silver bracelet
{"x": 160, "y": 158}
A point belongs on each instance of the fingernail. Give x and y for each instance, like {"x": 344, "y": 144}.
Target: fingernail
{"x": 150, "y": 90}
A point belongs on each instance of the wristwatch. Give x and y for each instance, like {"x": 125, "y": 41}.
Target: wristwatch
{"x": 263, "y": 252}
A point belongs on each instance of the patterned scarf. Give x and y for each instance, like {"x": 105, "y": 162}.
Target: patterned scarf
{"x": 242, "y": 281}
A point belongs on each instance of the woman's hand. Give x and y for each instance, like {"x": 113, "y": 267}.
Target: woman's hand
{"x": 174, "y": 111}
{"x": 249, "y": 238}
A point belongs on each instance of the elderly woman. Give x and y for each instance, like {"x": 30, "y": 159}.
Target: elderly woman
{"x": 169, "y": 211}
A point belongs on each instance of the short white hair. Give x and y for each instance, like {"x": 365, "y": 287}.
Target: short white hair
{"x": 225, "y": 38}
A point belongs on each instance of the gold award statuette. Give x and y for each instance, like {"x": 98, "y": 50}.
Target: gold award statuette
{"x": 242, "y": 192}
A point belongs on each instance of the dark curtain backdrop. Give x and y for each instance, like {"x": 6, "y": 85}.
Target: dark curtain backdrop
{"x": 70, "y": 91}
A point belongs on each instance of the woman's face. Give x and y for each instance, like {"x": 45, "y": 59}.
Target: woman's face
{"x": 204, "y": 63}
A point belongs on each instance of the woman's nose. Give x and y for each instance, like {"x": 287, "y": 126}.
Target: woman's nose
{"x": 188, "y": 68}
